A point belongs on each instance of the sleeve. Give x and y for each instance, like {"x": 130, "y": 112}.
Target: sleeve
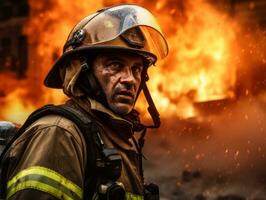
{"x": 51, "y": 166}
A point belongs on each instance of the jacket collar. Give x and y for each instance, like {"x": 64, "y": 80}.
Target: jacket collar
{"x": 119, "y": 126}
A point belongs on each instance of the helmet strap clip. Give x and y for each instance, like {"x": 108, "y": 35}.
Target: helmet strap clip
{"x": 84, "y": 64}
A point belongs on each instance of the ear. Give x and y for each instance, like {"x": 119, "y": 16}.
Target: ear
{"x": 88, "y": 82}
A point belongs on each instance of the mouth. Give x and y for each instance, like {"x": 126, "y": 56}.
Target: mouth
{"x": 126, "y": 95}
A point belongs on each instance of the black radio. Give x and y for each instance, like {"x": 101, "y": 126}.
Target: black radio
{"x": 110, "y": 167}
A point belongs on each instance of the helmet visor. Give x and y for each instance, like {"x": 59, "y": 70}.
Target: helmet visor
{"x": 136, "y": 25}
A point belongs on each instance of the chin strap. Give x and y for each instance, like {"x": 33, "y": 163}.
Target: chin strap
{"x": 151, "y": 109}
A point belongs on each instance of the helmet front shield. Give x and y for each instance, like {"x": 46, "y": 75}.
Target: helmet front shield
{"x": 117, "y": 21}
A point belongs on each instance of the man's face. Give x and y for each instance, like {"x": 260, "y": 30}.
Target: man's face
{"x": 119, "y": 76}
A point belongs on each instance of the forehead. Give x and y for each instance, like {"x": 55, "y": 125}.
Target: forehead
{"x": 126, "y": 57}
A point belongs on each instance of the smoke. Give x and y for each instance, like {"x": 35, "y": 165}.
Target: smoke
{"x": 223, "y": 154}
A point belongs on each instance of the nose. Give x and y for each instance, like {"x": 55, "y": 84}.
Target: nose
{"x": 127, "y": 76}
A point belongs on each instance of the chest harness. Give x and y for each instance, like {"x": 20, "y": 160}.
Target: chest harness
{"x": 106, "y": 163}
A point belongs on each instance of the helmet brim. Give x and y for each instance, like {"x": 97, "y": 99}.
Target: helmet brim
{"x": 53, "y": 78}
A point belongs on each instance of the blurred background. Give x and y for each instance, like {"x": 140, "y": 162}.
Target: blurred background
{"x": 210, "y": 90}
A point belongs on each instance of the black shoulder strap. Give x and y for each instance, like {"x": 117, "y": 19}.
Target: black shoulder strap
{"x": 63, "y": 110}
{"x": 87, "y": 126}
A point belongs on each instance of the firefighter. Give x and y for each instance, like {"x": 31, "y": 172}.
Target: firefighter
{"x": 95, "y": 154}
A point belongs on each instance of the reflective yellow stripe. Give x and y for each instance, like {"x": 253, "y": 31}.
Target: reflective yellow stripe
{"x": 130, "y": 196}
{"x": 64, "y": 186}
{"x": 39, "y": 186}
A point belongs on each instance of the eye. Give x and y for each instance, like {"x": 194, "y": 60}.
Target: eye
{"x": 137, "y": 69}
{"x": 115, "y": 65}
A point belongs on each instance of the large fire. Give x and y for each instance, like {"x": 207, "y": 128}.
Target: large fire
{"x": 217, "y": 62}
{"x": 201, "y": 66}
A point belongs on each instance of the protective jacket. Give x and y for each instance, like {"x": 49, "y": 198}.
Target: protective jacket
{"x": 49, "y": 160}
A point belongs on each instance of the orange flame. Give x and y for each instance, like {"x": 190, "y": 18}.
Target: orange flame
{"x": 200, "y": 66}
